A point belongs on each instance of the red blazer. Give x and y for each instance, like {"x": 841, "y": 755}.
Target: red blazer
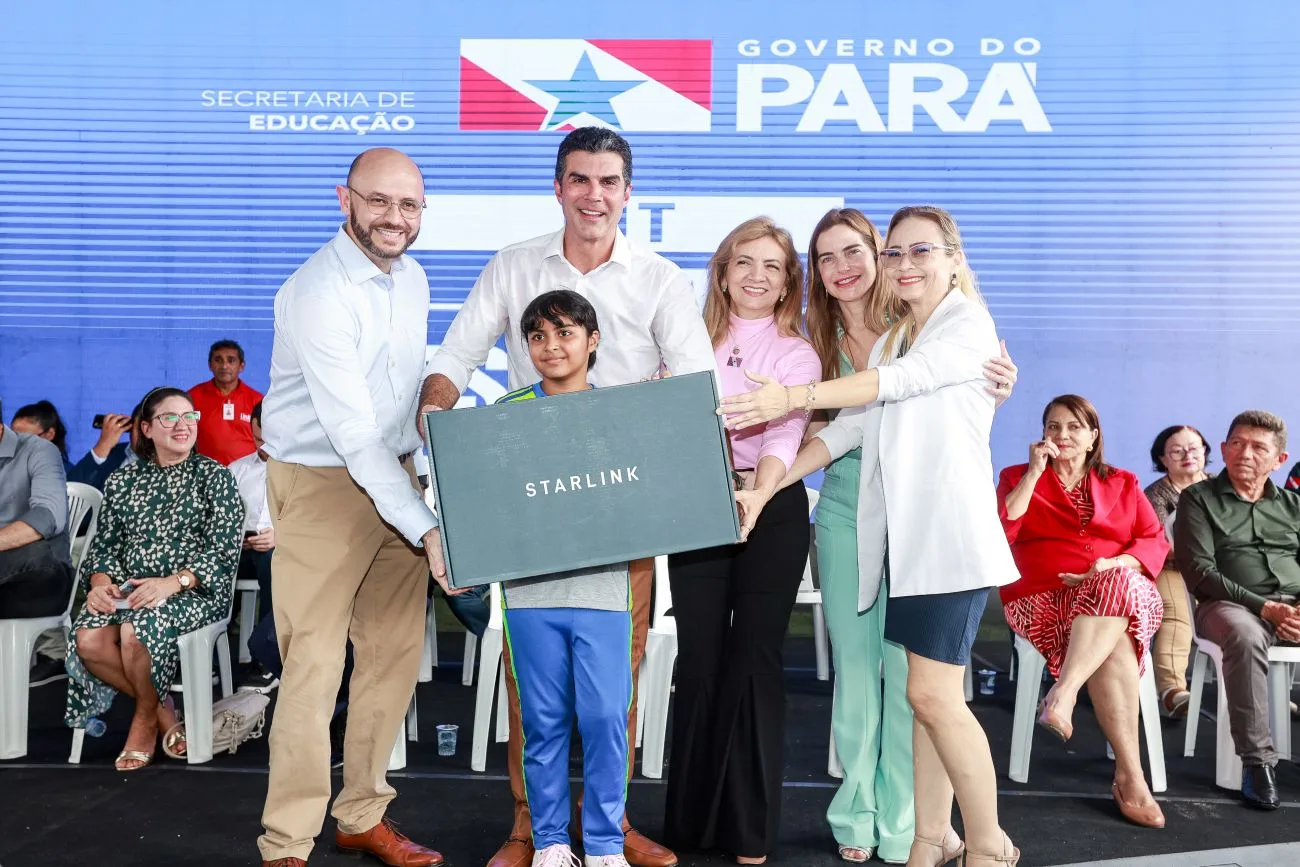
{"x": 1047, "y": 540}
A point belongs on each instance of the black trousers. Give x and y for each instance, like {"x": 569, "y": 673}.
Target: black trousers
{"x": 34, "y": 582}
{"x": 732, "y": 605}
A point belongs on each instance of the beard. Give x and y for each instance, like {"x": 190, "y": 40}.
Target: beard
{"x": 363, "y": 237}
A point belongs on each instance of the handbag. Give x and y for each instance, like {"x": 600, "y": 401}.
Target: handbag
{"x": 235, "y": 719}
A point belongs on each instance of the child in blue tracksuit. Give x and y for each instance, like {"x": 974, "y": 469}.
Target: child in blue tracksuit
{"x": 570, "y": 638}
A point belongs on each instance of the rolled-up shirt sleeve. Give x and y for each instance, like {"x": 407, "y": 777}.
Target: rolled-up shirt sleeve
{"x": 956, "y": 356}
{"x": 336, "y": 383}
{"x": 47, "y": 506}
{"x": 678, "y": 329}
{"x": 782, "y": 436}
{"x": 481, "y": 320}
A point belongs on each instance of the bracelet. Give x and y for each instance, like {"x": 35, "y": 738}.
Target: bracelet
{"x": 810, "y": 398}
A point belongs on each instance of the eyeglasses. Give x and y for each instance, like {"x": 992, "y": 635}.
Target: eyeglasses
{"x": 1178, "y": 453}
{"x": 171, "y": 419}
{"x": 893, "y": 257}
{"x": 379, "y": 204}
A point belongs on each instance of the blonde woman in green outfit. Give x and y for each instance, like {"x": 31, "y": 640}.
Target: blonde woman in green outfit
{"x": 848, "y": 310}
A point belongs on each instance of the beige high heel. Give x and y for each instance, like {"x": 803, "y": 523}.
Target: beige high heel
{"x": 1010, "y": 858}
{"x": 951, "y": 847}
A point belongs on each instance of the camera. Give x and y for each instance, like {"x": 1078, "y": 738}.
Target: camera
{"x": 98, "y": 422}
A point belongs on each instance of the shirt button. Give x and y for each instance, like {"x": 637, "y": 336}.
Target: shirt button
{"x": 1082, "y": 533}
{"x": 1087, "y": 547}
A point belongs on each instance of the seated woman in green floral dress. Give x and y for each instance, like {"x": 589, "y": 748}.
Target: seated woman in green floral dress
{"x": 162, "y": 564}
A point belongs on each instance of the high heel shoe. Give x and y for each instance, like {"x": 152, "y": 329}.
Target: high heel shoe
{"x": 950, "y": 847}
{"x": 1057, "y": 724}
{"x": 1150, "y": 816}
{"x": 1010, "y": 858}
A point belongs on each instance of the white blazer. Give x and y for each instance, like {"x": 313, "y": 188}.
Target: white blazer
{"x": 927, "y": 474}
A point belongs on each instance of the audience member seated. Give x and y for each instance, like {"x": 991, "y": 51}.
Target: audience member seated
{"x": 42, "y": 419}
{"x": 1182, "y": 452}
{"x": 259, "y": 536}
{"x": 1087, "y": 544}
{"x": 109, "y": 452}
{"x": 226, "y": 403}
{"x": 1237, "y": 541}
{"x": 162, "y": 564}
{"x": 35, "y": 560}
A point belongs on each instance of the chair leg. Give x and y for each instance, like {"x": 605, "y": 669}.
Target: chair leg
{"x": 78, "y": 738}
{"x": 969, "y": 684}
{"x": 489, "y": 654}
{"x": 1149, "y": 709}
{"x": 196, "y": 677}
{"x": 467, "y": 661}
{"x": 1227, "y": 766}
{"x": 16, "y": 642}
{"x": 1028, "y": 687}
{"x": 223, "y": 664}
{"x": 432, "y": 630}
{"x": 834, "y": 767}
{"x": 640, "y": 704}
{"x": 820, "y": 643}
{"x": 397, "y": 758}
{"x": 503, "y": 707}
{"x": 1194, "y": 704}
{"x": 247, "y": 614}
{"x": 1279, "y": 708}
{"x": 661, "y": 652}
{"x": 412, "y": 718}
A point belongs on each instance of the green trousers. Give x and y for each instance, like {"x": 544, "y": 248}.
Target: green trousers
{"x": 871, "y": 724}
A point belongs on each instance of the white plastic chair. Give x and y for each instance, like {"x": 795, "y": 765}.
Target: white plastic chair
{"x": 1030, "y": 664}
{"x": 247, "y": 589}
{"x": 429, "y": 655}
{"x": 1227, "y": 765}
{"x": 18, "y": 635}
{"x": 810, "y": 594}
{"x": 491, "y": 684}
{"x": 654, "y": 684}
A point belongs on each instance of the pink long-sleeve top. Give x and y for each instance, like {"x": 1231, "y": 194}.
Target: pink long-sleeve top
{"x": 788, "y": 360}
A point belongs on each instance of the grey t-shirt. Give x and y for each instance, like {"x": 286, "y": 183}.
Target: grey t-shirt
{"x": 34, "y": 488}
{"x": 600, "y": 588}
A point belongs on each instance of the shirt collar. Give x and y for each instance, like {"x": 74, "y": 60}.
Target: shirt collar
{"x": 621, "y": 254}
{"x": 9, "y": 443}
{"x": 1223, "y": 485}
{"x": 357, "y": 264}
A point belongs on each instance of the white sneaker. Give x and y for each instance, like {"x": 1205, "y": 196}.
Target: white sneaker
{"x": 558, "y": 855}
{"x": 605, "y": 860}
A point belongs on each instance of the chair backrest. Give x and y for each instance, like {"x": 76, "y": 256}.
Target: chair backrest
{"x": 494, "y": 605}
{"x": 1169, "y": 527}
{"x": 83, "y": 501}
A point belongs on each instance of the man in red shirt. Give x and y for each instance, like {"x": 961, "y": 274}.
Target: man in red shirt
{"x": 225, "y": 404}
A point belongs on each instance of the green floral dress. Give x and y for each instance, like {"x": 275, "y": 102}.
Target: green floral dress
{"x": 156, "y": 521}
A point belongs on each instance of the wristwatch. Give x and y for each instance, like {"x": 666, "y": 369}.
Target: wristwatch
{"x": 187, "y": 580}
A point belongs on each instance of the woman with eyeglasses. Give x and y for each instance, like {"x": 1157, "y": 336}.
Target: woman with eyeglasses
{"x": 928, "y": 535}
{"x": 1088, "y": 546}
{"x": 849, "y": 308}
{"x": 1182, "y": 452}
{"x": 162, "y": 563}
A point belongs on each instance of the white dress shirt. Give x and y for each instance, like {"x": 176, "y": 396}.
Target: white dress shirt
{"x": 926, "y": 498}
{"x": 250, "y": 477}
{"x": 644, "y": 303}
{"x": 347, "y": 363}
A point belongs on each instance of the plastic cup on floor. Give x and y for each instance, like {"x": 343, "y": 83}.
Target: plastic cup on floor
{"x": 447, "y": 739}
{"x": 988, "y": 680}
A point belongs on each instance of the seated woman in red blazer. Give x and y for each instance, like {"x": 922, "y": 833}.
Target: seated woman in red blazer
{"x": 1088, "y": 544}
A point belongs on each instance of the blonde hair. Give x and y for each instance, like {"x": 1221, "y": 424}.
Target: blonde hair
{"x": 825, "y": 317}
{"x": 789, "y": 310}
{"x": 906, "y": 326}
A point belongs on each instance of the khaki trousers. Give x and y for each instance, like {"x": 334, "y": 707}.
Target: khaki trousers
{"x": 1172, "y": 647}
{"x": 642, "y": 584}
{"x": 338, "y": 571}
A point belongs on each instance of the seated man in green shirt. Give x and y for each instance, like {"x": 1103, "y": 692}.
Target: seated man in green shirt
{"x": 1237, "y": 541}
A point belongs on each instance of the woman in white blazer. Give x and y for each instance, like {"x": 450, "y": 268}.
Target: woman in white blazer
{"x": 928, "y": 524}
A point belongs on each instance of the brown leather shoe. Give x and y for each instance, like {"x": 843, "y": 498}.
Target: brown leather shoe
{"x": 641, "y": 851}
{"x": 389, "y": 845}
{"x": 515, "y": 852}
{"x": 285, "y": 862}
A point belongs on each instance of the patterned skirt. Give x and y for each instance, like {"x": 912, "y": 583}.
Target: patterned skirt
{"x": 1044, "y": 619}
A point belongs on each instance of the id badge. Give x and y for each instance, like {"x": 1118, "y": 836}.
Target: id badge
{"x": 228, "y": 411}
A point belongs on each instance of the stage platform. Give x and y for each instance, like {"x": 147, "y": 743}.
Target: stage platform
{"x": 59, "y": 814}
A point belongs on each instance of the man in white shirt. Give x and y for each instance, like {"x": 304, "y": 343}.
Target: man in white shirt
{"x": 649, "y": 319}
{"x": 351, "y": 326}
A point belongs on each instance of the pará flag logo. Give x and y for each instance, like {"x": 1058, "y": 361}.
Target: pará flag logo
{"x": 636, "y": 85}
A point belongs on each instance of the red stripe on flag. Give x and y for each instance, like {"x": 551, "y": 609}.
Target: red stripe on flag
{"x": 487, "y": 103}
{"x": 685, "y": 65}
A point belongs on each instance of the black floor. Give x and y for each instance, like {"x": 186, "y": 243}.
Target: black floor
{"x": 55, "y": 813}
